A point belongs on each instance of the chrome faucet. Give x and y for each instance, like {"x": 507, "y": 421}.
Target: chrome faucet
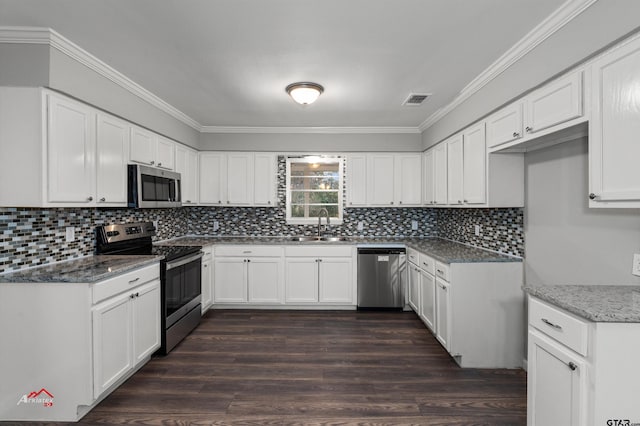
{"x": 326, "y": 213}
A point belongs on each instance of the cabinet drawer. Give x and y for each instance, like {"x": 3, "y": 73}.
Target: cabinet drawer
{"x": 563, "y": 327}
{"x": 107, "y": 288}
{"x": 207, "y": 250}
{"x": 442, "y": 270}
{"x": 427, "y": 264}
{"x": 248, "y": 251}
{"x": 318, "y": 251}
{"x": 413, "y": 256}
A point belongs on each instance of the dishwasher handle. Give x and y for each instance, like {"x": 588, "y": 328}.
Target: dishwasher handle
{"x": 381, "y": 251}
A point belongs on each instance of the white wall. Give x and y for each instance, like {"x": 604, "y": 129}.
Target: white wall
{"x": 605, "y": 22}
{"x": 24, "y": 65}
{"x": 310, "y": 142}
{"x": 565, "y": 241}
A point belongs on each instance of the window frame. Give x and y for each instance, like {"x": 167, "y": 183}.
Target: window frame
{"x": 340, "y": 190}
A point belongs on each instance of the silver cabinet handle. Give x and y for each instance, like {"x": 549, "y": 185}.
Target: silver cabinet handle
{"x": 516, "y": 134}
{"x": 188, "y": 201}
{"x": 592, "y": 196}
{"x": 466, "y": 201}
{"x": 103, "y": 199}
{"x": 550, "y": 324}
{"x": 134, "y": 280}
{"x": 572, "y": 366}
{"x": 528, "y": 129}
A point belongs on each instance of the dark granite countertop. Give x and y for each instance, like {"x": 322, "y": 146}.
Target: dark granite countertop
{"x": 88, "y": 269}
{"x": 599, "y": 303}
{"x": 440, "y": 249}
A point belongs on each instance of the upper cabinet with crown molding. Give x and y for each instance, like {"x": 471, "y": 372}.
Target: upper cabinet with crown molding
{"x": 151, "y": 149}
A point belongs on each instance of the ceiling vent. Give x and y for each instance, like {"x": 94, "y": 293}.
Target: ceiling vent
{"x": 416, "y": 99}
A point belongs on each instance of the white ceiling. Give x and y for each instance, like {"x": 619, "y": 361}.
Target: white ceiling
{"x": 227, "y": 62}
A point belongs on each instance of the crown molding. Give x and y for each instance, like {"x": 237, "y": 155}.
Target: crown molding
{"x": 325, "y": 130}
{"x": 554, "y": 22}
{"x": 32, "y": 35}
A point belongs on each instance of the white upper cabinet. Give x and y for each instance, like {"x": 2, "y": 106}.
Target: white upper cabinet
{"x": 187, "y": 166}
{"x": 356, "y": 182}
{"x": 112, "y": 143}
{"x": 70, "y": 152}
{"x": 151, "y": 149}
{"x": 408, "y": 179}
{"x": 474, "y": 165}
{"x": 614, "y": 128}
{"x": 455, "y": 162}
{"x": 265, "y": 179}
{"x": 428, "y": 178}
{"x": 440, "y": 174}
{"x": 240, "y": 179}
{"x": 213, "y": 178}
{"x": 505, "y": 125}
{"x": 380, "y": 184}
{"x": 554, "y": 103}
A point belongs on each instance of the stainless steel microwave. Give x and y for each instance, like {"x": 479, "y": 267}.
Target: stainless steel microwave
{"x": 149, "y": 187}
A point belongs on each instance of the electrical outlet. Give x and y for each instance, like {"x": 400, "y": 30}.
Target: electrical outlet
{"x": 635, "y": 270}
{"x": 360, "y": 226}
{"x": 414, "y": 225}
{"x": 70, "y": 234}
{"x": 216, "y": 225}
{"x": 477, "y": 230}
{"x": 155, "y": 224}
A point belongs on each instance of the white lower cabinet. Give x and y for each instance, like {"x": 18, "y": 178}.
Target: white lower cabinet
{"x": 580, "y": 372}
{"x": 126, "y": 331}
{"x": 207, "y": 278}
{"x": 443, "y": 313}
{"x": 414, "y": 288}
{"x": 334, "y": 280}
{"x": 428, "y": 300}
{"x": 248, "y": 274}
{"x": 301, "y": 280}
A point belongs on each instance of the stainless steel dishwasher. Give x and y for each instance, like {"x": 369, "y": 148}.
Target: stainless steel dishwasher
{"x": 381, "y": 277}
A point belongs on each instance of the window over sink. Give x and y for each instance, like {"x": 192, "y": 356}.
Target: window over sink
{"x": 314, "y": 183}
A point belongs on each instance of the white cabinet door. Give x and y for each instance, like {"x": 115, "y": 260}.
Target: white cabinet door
{"x": 356, "y": 182}
{"x": 165, "y": 153}
{"x": 474, "y": 166}
{"x": 70, "y": 152}
{"x": 239, "y": 179}
{"x": 408, "y": 179}
{"x": 443, "y": 313}
{"x": 555, "y": 103}
{"x": 335, "y": 277}
{"x": 213, "y": 178}
{"x": 146, "y": 321}
{"x": 505, "y": 125}
{"x": 187, "y": 166}
{"x": 112, "y": 339}
{"x": 112, "y": 144}
{"x": 440, "y": 173}
{"x": 301, "y": 280}
{"x": 143, "y": 146}
{"x": 207, "y": 284}
{"x": 455, "y": 161}
{"x": 264, "y": 179}
{"x": 614, "y": 128}
{"x": 428, "y": 178}
{"x": 414, "y": 288}
{"x": 230, "y": 280}
{"x": 380, "y": 180}
{"x": 556, "y": 384}
{"x": 264, "y": 278}
{"x": 428, "y": 300}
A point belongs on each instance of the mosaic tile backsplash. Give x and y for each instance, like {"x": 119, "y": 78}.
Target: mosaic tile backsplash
{"x": 31, "y": 237}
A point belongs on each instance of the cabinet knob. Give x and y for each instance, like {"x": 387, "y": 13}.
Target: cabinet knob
{"x": 89, "y": 198}
{"x": 516, "y": 134}
{"x": 391, "y": 202}
{"x": 137, "y": 294}
{"x": 132, "y": 296}
{"x": 268, "y": 202}
{"x": 152, "y": 162}
{"x": 219, "y": 202}
{"x": 188, "y": 201}
{"x": 103, "y": 199}
{"x": 400, "y": 202}
{"x": 459, "y": 201}
{"x": 572, "y": 366}
{"x": 159, "y": 164}
{"x": 466, "y": 201}
{"x": 227, "y": 201}
{"x": 592, "y": 196}
{"x": 528, "y": 129}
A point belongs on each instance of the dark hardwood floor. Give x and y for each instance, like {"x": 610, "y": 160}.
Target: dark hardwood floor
{"x": 313, "y": 368}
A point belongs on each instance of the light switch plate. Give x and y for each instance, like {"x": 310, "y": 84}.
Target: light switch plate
{"x": 360, "y": 226}
{"x": 477, "y": 230}
{"x": 414, "y": 225}
{"x": 216, "y": 225}
{"x": 636, "y": 265}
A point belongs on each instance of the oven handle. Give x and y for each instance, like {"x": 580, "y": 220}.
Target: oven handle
{"x": 184, "y": 261}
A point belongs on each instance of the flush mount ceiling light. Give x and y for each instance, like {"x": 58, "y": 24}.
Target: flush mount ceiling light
{"x": 304, "y": 93}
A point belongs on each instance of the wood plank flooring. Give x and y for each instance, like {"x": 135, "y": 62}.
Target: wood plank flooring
{"x": 313, "y": 368}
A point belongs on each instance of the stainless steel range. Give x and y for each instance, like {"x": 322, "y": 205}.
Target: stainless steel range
{"x": 180, "y": 273}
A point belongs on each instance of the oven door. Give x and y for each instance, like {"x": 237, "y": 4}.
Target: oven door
{"x": 182, "y": 287}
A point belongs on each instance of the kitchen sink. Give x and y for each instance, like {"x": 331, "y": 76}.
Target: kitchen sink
{"x": 308, "y": 238}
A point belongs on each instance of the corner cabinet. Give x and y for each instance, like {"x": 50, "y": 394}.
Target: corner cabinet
{"x": 614, "y": 127}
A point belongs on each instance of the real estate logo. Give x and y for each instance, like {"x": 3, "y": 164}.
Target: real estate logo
{"x": 42, "y": 396}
